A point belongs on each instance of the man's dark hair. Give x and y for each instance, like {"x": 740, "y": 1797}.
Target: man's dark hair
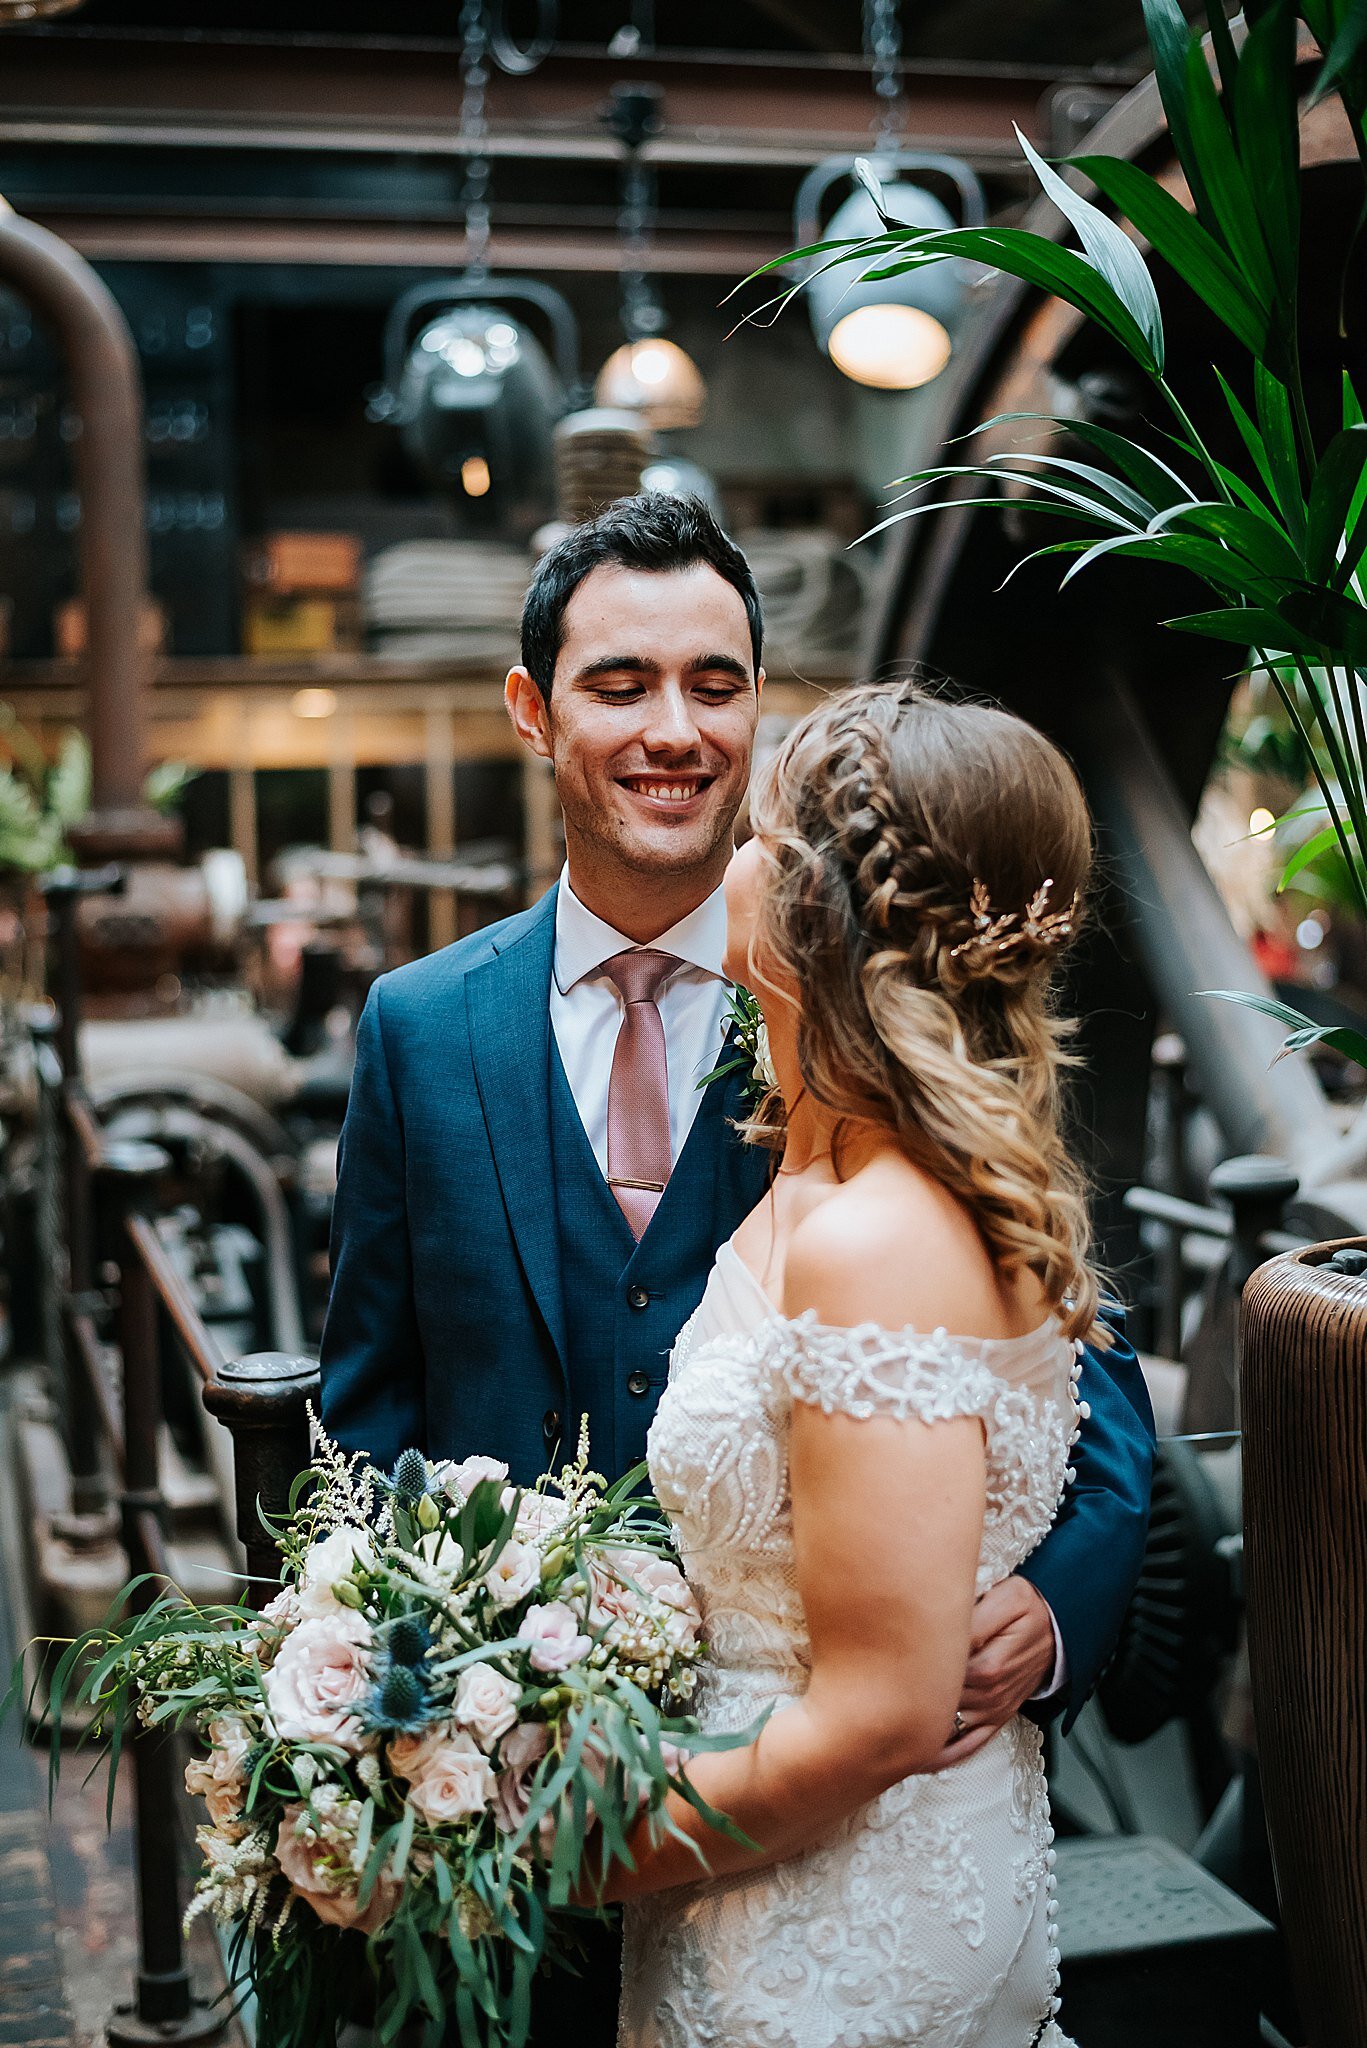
{"x": 649, "y": 531}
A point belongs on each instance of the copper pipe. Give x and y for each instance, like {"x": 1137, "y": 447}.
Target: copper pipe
{"x": 106, "y": 391}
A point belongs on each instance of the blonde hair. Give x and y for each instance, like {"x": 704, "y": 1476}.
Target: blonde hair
{"x": 880, "y": 813}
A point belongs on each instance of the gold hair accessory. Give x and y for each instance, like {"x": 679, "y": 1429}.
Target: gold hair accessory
{"x": 1001, "y": 931}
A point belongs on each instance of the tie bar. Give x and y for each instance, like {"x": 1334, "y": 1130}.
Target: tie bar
{"x": 650, "y": 1187}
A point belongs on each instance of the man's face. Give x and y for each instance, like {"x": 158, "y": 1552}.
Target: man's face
{"x": 651, "y": 718}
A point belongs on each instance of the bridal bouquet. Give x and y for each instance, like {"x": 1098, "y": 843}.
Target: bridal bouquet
{"x": 438, "y": 1731}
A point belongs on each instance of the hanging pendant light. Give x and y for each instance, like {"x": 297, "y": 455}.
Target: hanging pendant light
{"x": 890, "y": 333}
{"x": 657, "y": 378}
{"x": 893, "y": 333}
{"x": 648, "y": 374}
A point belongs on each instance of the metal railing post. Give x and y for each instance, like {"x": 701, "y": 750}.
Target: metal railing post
{"x": 164, "y": 2008}
{"x": 62, "y": 891}
{"x": 263, "y": 1398}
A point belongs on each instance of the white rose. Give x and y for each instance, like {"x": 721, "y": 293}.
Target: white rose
{"x": 319, "y": 1678}
{"x": 455, "y": 1781}
{"x": 437, "y": 1548}
{"x": 516, "y": 1573}
{"x": 486, "y": 1703}
{"x": 327, "y": 1563}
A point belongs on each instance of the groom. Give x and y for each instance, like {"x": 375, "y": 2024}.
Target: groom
{"x": 532, "y": 1182}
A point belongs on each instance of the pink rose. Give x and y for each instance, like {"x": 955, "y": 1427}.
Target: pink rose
{"x": 624, "y": 1581}
{"x": 455, "y": 1781}
{"x": 323, "y": 1878}
{"x": 519, "y": 1754}
{"x": 470, "y": 1473}
{"x": 515, "y": 1573}
{"x": 318, "y": 1678}
{"x": 554, "y": 1638}
{"x": 219, "y": 1778}
{"x": 486, "y": 1703}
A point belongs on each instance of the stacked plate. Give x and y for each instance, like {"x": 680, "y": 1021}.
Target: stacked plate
{"x": 435, "y": 598}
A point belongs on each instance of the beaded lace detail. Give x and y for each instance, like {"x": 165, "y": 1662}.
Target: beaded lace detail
{"x": 927, "y": 1917}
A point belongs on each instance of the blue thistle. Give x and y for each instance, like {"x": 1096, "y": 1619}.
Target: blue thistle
{"x": 409, "y": 1477}
{"x": 398, "y": 1702}
{"x": 407, "y": 1640}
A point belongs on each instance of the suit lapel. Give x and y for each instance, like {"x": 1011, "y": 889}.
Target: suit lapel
{"x": 510, "y": 1024}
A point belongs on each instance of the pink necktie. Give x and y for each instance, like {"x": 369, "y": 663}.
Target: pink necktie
{"x": 639, "y": 1159}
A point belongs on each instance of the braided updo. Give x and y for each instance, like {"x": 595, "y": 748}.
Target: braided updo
{"x": 880, "y": 813}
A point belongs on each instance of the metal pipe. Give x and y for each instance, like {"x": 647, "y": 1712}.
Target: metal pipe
{"x": 1183, "y": 935}
{"x": 106, "y": 391}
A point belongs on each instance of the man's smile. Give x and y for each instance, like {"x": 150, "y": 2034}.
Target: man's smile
{"x": 673, "y": 792}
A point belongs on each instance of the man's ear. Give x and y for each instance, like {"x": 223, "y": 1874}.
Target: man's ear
{"x": 529, "y": 712}
{"x": 759, "y": 682}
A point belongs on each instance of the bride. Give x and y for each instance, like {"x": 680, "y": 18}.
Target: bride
{"x": 869, "y": 1417}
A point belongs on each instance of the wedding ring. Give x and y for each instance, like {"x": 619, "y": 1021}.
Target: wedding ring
{"x": 959, "y": 1725}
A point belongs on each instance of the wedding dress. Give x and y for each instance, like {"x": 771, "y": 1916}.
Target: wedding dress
{"x": 927, "y": 1917}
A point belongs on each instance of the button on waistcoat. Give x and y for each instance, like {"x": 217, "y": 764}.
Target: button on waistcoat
{"x": 625, "y": 1302}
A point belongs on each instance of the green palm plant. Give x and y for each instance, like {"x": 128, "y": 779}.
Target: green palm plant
{"x": 1277, "y": 537}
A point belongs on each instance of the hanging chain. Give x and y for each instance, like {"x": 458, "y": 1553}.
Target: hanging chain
{"x": 641, "y": 314}
{"x": 474, "y": 133}
{"x": 883, "y": 48}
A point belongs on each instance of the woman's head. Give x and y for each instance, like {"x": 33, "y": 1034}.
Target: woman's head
{"x": 917, "y": 870}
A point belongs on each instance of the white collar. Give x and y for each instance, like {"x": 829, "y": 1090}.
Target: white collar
{"x": 584, "y": 941}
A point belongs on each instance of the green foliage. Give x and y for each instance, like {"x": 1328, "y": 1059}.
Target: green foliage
{"x": 1278, "y": 539}
{"x": 467, "y": 1907}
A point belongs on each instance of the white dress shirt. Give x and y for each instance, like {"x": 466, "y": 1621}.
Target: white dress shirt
{"x": 587, "y": 1009}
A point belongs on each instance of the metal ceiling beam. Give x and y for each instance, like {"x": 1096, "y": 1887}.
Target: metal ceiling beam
{"x": 402, "y": 99}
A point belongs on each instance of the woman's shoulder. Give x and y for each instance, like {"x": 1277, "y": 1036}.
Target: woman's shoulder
{"x": 891, "y": 1246}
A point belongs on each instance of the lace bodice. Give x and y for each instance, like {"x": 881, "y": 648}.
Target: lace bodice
{"x": 718, "y": 1454}
{"x": 926, "y": 1918}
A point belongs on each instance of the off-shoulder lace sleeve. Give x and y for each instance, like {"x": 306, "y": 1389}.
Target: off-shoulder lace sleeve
{"x": 869, "y": 1371}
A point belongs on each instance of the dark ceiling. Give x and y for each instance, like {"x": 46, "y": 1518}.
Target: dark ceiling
{"x": 1056, "y": 34}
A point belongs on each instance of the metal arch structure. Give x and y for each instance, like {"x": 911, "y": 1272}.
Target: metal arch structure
{"x": 1138, "y": 709}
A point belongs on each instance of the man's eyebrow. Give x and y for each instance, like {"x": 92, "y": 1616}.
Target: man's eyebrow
{"x": 617, "y": 664}
{"x": 727, "y": 664}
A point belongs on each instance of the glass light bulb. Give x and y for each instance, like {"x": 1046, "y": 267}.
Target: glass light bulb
{"x": 313, "y": 703}
{"x": 891, "y": 348}
{"x": 474, "y": 476}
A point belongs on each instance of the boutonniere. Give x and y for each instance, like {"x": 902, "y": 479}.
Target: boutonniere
{"x": 745, "y": 1022}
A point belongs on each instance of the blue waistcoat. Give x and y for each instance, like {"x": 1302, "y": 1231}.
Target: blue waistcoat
{"x": 624, "y": 1302}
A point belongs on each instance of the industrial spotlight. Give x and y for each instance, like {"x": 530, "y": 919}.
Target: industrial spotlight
{"x": 893, "y": 333}
{"x": 476, "y": 397}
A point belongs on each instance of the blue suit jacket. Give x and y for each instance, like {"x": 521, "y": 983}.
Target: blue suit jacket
{"x": 446, "y": 1329}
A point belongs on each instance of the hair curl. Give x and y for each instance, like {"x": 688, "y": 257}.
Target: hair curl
{"x": 879, "y": 813}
